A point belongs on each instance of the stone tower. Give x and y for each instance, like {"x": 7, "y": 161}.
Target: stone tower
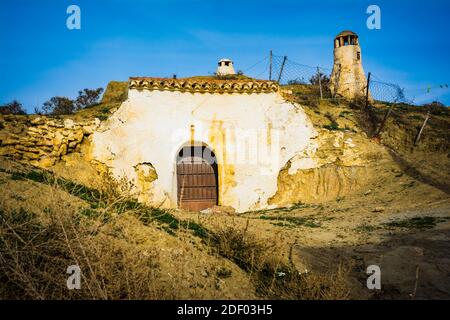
{"x": 347, "y": 79}
{"x": 225, "y": 68}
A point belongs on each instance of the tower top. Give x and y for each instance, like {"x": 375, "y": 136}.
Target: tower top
{"x": 346, "y": 38}
{"x": 346, "y": 33}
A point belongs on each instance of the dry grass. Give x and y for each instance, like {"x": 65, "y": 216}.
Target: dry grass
{"x": 129, "y": 251}
{"x": 275, "y": 277}
{"x": 35, "y": 257}
{"x": 35, "y": 251}
{"x": 120, "y": 246}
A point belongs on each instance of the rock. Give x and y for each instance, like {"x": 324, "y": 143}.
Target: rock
{"x": 378, "y": 209}
{"x": 69, "y": 123}
{"x": 31, "y": 155}
{"x": 63, "y": 150}
{"x": 349, "y": 143}
{"x": 33, "y": 130}
{"x": 78, "y": 135}
{"x": 45, "y": 142}
{"x": 38, "y": 120}
{"x": 90, "y": 128}
{"x": 58, "y": 139}
{"x": 204, "y": 273}
{"x": 47, "y": 162}
{"x": 206, "y": 211}
{"x": 73, "y": 144}
{"x": 9, "y": 141}
{"x": 8, "y": 151}
{"x": 220, "y": 210}
{"x": 49, "y": 135}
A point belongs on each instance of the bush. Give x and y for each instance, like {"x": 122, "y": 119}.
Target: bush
{"x": 14, "y": 107}
{"x": 324, "y": 79}
{"x": 62, "y": 105}
{"x": 59, "y": 106}
{"x": 87, "y": 98}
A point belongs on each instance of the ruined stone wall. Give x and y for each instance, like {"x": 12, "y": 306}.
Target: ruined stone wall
{"x": 42, "y": 141}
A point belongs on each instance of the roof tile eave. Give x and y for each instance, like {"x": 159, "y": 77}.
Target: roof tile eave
{"x": 204, "y": 85}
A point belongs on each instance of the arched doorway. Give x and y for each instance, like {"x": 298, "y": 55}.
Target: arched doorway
{"x": 197, "y": 179}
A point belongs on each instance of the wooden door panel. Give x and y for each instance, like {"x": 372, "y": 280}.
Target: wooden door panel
{"x": 197, "y": 186}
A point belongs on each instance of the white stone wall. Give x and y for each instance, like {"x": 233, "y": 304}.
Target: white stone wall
{"x": 152, "y": 126}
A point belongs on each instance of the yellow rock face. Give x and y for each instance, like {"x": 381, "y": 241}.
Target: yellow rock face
{"x": 146, "y": 175}
{"x": 46, "y": 162}
{"x": 318, "y": 184}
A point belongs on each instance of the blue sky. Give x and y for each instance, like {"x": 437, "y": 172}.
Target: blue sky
{"x": 41, "y": 58}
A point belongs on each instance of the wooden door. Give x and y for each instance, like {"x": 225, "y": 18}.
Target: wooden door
{"x": 197, "y": 184}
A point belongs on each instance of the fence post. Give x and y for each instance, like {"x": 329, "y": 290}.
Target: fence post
{"x": 386, "y": 116}
{"x": 320, "y": 82}
{"x": 270, "y": 66}
{"x": 367, "y": 91}
{"x": 281, "y": 70}
{"x": 336, "y": 83}
{"x": 423, "y": 126}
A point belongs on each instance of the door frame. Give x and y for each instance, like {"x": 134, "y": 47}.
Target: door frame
{"x": 175, "y": 172}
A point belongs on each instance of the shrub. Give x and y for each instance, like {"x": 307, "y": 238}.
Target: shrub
{"x": 62, "y": 105}
{"x": 87, "y": 98}
{"x": 14, "y": 107}
{"x": 324, "y": 79}
{"x": 273, "y": 277}
{"x": 59, "y": 106}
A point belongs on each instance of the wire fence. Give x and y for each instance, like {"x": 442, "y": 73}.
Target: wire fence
{"x": 287, "y": 72}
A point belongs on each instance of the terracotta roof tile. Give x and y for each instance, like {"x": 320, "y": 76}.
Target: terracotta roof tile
{"x": 203, "y": 85}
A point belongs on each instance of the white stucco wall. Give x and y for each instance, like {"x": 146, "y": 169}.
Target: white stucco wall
{"x": 152, "y": 126}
